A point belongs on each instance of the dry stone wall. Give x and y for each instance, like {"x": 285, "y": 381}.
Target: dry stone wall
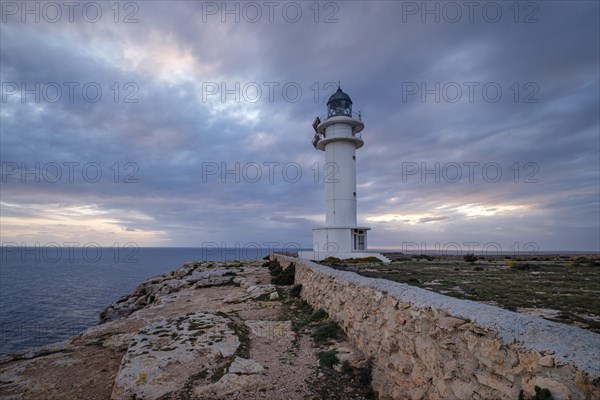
{"x": 425, "y": 345}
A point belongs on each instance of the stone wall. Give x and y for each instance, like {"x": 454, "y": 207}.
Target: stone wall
{"x": 425, "y": 345}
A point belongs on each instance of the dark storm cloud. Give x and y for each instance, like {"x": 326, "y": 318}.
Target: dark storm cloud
{"x": 181, "y": 142}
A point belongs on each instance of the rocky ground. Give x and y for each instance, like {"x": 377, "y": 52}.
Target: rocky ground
{"x": 205, "y": 331}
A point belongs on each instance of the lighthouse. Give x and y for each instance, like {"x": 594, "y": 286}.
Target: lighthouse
{"x": 339, "y": 136}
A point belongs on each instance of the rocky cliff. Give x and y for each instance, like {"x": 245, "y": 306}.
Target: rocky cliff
{"x": 205, "y": 331}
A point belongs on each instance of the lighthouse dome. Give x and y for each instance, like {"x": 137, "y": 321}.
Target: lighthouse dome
{"x": 339, "y": 95}
{"x": 339, "y": 104}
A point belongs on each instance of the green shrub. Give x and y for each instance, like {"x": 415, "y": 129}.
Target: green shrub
{"x": 330, "y": 261}
{"x": 318, "y": 315}
{"x": 272, "y": 265}
{"x": 281, "y": 276}
{"x": 366, "y": 374}
{"x": 540, "y": 394}
{"x": 347, "y": 368}
{"x": 296, "y": 290}
{"x": 585, "y": 262}
{"x": 325, "y": 332}
{"x": 328, "y": 358}
{"x": 470, "y": 257}
{"x": 370, "y": 259}
{"x": 523, "y": 266}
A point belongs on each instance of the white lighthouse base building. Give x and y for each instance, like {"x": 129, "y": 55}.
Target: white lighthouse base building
{"x": 340, "y": 242}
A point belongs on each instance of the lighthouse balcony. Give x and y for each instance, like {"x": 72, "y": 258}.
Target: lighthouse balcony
{"x": 341, "y": 113}
{"x": 356, "y": 124}
{"x": 336, "y": 128}
{"x": 320, "y": 141}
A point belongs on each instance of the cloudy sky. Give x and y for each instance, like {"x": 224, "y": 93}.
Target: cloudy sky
{"x": 183, "y": 123}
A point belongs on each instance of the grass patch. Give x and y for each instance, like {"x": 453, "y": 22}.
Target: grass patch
{"x": 243, "y": 334}
{"x": 196, "y": 326}
{"x": 426, "y": 257}
{"x": 330, "y": 261}
{"x": 221, "y": 369}
{"x": 296, "y": 310}
{"x": 362, "y": 260}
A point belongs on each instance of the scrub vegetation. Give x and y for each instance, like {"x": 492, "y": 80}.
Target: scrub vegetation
{"x": 561, "y": 288}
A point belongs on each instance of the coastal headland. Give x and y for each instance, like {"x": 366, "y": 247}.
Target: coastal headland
{"x": 290, "y": 328}
{"x": 210, "y": 330}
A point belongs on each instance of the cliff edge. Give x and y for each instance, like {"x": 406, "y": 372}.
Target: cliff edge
{"x": 205, "y": 331}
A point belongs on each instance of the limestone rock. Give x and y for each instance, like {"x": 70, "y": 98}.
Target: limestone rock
{"x": 154, "y": 289}
{"x": 546, "y": 361}
{"x": 165, "y": 354}
{"x": 231, "y": 384}
{"x": 234, "y": 298}
{"x": 252, "y": 293}
{"x": 449, "y": 323}
{"x": 558, "y": 389}
{"x": 245, "y": 366}
{"x": 495, "y": 383}
{"x": 245, "y": 282}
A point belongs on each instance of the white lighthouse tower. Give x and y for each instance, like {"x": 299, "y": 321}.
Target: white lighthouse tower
{"x": 339, "y": 135}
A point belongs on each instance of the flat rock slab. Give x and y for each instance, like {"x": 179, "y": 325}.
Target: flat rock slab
{"x": 272, "y": 330}
{"x": 232, "y": 384}
{"x": 253, "y": 292}
{"x": 245, "y": 366}
{"x": 165, "y": 355}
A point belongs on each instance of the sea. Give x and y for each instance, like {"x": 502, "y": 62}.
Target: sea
{"x": 50, "y": 293}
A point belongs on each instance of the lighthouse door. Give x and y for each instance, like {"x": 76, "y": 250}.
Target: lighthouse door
{"x": 359, "y": 239}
